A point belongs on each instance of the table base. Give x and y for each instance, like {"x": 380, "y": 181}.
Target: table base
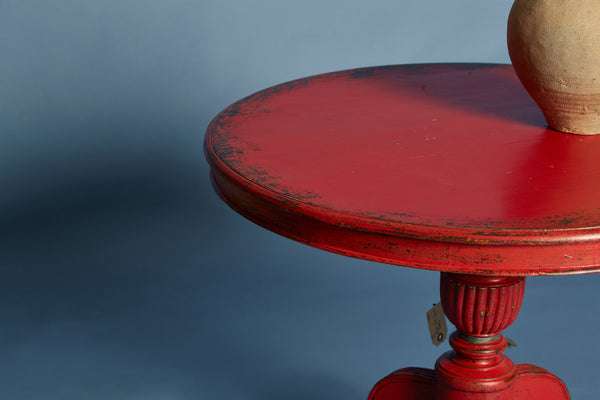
{"x": 480, "y": 307}
{"x": 531, "y": 383}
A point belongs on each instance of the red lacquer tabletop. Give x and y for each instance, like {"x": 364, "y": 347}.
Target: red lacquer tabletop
{"x": 437, "y": 166}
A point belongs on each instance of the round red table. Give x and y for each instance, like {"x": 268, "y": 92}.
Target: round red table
{"x": 437, "y": 166}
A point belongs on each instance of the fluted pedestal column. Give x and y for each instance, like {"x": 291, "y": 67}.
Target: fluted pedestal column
{"x": 480, "y": 307}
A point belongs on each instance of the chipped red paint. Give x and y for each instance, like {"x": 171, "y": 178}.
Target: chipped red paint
{"x": 480, "y": 307}
{"x": 446, "y": 167}
{"x": 530, "y": 383}
{"x": 406, "y": 383}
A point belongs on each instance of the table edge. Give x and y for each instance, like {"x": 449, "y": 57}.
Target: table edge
{"x": 232, "y": 187}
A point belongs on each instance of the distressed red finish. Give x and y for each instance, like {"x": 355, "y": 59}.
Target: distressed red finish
{"x": 447, "y": 167}
{"x": 438, "y": 166}
{"x": 480, "y": 307}
{"x": 530, "y": 383}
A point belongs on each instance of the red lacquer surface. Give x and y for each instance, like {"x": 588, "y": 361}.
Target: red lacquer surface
{"x": 480, "y": 307}
{"x": 447, "y": 167}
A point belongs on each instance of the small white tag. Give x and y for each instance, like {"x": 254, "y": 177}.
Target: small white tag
{"x": 437, "y": 324}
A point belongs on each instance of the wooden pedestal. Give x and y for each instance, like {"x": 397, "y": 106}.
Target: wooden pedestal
{"x": 480, "y": 307}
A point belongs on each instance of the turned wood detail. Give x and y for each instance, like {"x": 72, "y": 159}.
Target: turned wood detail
{"x": 480, "y": 307}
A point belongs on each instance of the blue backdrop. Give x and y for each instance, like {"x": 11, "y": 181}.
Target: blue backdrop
{"x": 122, "y": 274}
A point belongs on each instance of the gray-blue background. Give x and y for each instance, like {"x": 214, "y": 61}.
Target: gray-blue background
{"x": 122, "y": 274}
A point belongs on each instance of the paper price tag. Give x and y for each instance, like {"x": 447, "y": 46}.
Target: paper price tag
{"x": 437, "y": 324}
